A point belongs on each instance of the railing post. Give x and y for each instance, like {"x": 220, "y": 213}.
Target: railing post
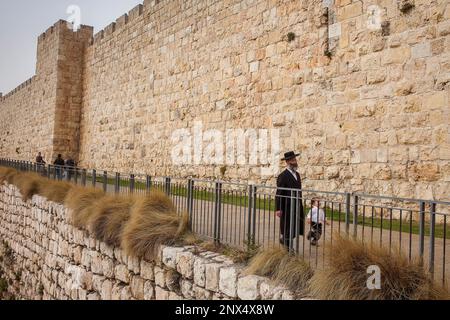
{"x": 83, "y": 177}
{"x": 148, "y": 183}
{"x": 294, "y": 204}
{"x": 254, "y": 198}
{"x": 299, "y": 204}
{"x": 117, "y": 183}
{"x": 421, "y": 230}
{"x": 432, "y": 234}
{"x": 347, "y": 212}
{"x": 94, "y": 177}
{"x": 217, "y": 212}
{"x": 355, "y": 216}
{"x": 131, "y": 183}
{"x": 249, "y": 218}
{"x": 167, "y": 185}
{"x": 190, "y": 201}
{"x": 105, "y": 181}
{"x": 75, "y": 175}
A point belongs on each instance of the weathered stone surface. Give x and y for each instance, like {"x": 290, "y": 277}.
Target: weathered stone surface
{"x": 106, "y": 290}
{"x": 137, "y": 287}
{"x": 122, "y": 274}
{"x": 147, "y": 270}
{"x": 169, "y": 256}
{"x": 160, "y": 277}
{"x": 248, "y": 287}
{"x": 185, "y": 264}
{"x": 212, "y": 272}
{"x": 161, "y": 294}
{"x": 201, "y": 294}
{"x": 200, "y": 271}
{"x": 149, "y": 291}
{"x": 228, "y": 281}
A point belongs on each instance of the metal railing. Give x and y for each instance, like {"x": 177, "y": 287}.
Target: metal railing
{"x": 243, "y": 215}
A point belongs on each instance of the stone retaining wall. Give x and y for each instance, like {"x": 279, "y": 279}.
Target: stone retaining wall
{"x": 44, "y": 257}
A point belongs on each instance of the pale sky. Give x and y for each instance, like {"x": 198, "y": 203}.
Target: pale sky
{"x": 22, "y": 21}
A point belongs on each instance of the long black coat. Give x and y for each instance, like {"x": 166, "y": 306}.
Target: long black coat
{"x": 285, "y": 203}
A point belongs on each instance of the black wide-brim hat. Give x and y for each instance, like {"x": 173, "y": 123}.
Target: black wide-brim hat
{"x": 290, "y": 155}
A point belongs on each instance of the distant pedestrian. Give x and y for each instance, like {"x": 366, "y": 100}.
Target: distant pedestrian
{"x": 70, "y": 168}
{"x": 40, "y": 162}
{"x": 59, "y": 165}
{"x": 40, "y": 159}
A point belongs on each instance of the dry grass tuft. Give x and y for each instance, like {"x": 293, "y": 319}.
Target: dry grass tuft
{"x": 80, "y": 200}
{"x": 153, "y": 222}
{"x": 191, "y": 239}
{"x": 109, "y": 216}
{"x": 28, "y": 183}
{"x": 266, "y": 262}
{"x": 55, "y": 191}
{"x": 7, "y": 174}
{"x": 236, "y": 254}
{"x": 346, "y": 276}
{"x": 289, "y": 270}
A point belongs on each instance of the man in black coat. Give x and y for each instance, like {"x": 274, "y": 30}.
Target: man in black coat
{"x": 288, "y": 202}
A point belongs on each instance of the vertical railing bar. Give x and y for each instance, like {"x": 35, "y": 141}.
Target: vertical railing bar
{"x": 132, "y": 177}
{"x": 249, "y": 217}
{"x": 94, "y": 177}
{"x": 355, "y": 216}
{"x": 117, "y": 183}
{"x": 105, "y": 181}
{"x": 432, "y": 237}
{"x": 421, "y": 230}
{"x": 347, "y": 213}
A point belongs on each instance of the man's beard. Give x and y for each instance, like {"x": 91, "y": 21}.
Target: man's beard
{"x": 293, "y": 166}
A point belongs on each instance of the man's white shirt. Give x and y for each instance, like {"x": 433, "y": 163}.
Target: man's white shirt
{"x": 294, "y": 173}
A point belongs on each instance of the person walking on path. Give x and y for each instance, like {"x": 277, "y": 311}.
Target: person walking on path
{"x": 59, "y": 164}
{"x": 70, "y": 168}
{"x": 40, "y": 162}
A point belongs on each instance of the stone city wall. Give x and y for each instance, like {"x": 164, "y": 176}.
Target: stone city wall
{"x": 44, "y": 257}
{"x": 360, "y": 87}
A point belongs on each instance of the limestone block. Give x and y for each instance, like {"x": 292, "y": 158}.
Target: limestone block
{"x": 228, "y": 281}
{"x": 107, "y": 267}
{"x": 248, "y": 287}
{"x": 116, "y": 291}
{"x": 160, "y": 277}
{"x": 149, "y": 291}
{"x": 185, "y": 264}
{"x": 212, "y": 272}
{"x": 137, "y": 287}
{"x": 201, "y": 294}
{"x": 121, "y": 273}
{"x": 161, "y": 294}
{"x": 126, "y": 293}
{"x": 106, "y": 290}
{"x": 147, "y": 270}
{"x": 169, "y": 256}
{"x": 200, "y": 271}
{"x": 93, "y": 296}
